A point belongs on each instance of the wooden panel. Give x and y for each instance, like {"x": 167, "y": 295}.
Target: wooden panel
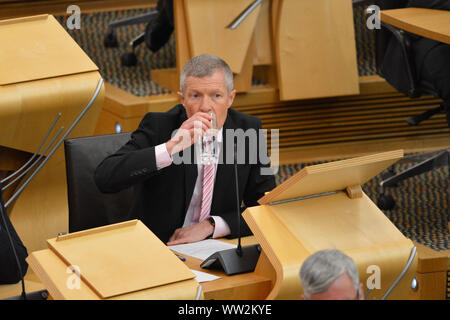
{"x": 432, "y": 286}
{"x": 348, "y": 225}
{"x": 41, "y": 211}
{"x": 286, "y": 263}
{"x": 428, "y": 23}
{"x": 431, "y": 274}
{"x": 107, "y": 122}
{"x": 316, "y": 50}
{"x": 332, "y": 176}
{"x": 38, "y": 85}
{"x": 430, "y": 260}
{"x": 248, "y": 286}
{"x": 46, "y": 58}
{"x": 206, "y": 24}
{"x": 53, "y": 273}
{"x": 168, "y": 78}
{"x": 263, "y": 36}
{"x": 183, "y": 50}
{"x": 243, "y": 80}
{"x": 128, "y": 251}
{"x": 32, "y": 283}
{"x": 290, "y": 232}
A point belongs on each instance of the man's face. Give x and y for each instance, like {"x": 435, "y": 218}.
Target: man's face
{"x": 207, "y": 94}
{"x": 341, "y": 289}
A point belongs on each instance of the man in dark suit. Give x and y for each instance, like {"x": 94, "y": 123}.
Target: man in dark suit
{"x": 431, "y": 59}
{"x": 187, "y": 202}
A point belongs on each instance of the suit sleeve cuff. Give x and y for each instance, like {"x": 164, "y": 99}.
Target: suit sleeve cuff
{"x": 222, "y": 229}
{"x": 163, "y": 159}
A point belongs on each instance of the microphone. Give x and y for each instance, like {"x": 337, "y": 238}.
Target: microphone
{"x": 241, "y": 259}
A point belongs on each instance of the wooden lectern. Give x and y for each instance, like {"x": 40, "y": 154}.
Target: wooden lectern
{"x": 44, "y": 73}
{"x": 324, "y": 207}
{"x": 119, "y": 261}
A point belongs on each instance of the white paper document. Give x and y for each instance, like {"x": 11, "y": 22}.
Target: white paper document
{"x": 202, "y": 249}
{"x": 203, "y": 276}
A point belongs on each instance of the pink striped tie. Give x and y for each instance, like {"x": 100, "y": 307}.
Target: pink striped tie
{"x": 208, "y": 186}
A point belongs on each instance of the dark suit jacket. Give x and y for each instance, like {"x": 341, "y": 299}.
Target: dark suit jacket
{"x": 162, "y": 197}
{"x": 9, "y": 271}
{"x": 393, "y": 67}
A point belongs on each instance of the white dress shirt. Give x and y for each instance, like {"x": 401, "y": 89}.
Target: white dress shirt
{"x": 163, "y": 159}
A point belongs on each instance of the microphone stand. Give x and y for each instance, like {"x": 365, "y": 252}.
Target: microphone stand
{"x": 241, "y": 259}
{"x": 238, "y": 210}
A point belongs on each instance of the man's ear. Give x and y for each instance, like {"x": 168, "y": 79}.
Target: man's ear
{"x": 181, "y": 97}
{"x": 361, "y": 291}
{"x": 232, "y": 96}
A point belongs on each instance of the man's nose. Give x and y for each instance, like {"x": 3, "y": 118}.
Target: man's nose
{"x": 206, "y": 105}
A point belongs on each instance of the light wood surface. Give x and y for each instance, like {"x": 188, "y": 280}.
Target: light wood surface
{"x": 124, "y": 260}
{"x": 290, "y": 232}
{"x": 332, "y": 176}
{"x": 243, "y": 80}
{"x": 316, "y": 52}
{"x": 128, "y": 252}
{"x": 167, "y": 78}
{"x": 206, "y": 24}
{"x": 428, "y": 23}
{"x": 431, "y": 274}
{"x": 55, "y": 276}
{"x": 183, "y": 50}
{"x": 263, "y": 36}
{"x": 32, "y": 55}
{"x": 32, "y": 284}
{"x": 30, "y": 100}
{"x": 248, "y": 286}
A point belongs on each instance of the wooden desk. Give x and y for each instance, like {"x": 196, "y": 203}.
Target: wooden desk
{"x": 32, "y": 284}
{"x": 428, "y": 23}
{"x": 253, "y": 285}
{"x": 247, "y": 286}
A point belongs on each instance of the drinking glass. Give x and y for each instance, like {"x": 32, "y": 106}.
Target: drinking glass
{"x": 209, "y": 153}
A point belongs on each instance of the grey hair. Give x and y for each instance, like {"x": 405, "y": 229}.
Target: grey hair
{"x": 204, "y": 66}
{"x": 322, "y": 268}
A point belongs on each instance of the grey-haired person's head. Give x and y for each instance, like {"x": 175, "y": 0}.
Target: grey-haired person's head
{"x": 204, "y": 66}
{"x": 320, "y": 270}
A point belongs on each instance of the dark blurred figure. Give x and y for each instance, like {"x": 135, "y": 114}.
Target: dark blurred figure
{"x": 431, "y": 59}
{"x": 9, "y": 270}
{"x": 159, "y": 30}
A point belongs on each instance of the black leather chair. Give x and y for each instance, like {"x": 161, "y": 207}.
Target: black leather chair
{"x": 88, "y": 207}
{"x": 160, "y": 26}
{"x": 414, "y": 87}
